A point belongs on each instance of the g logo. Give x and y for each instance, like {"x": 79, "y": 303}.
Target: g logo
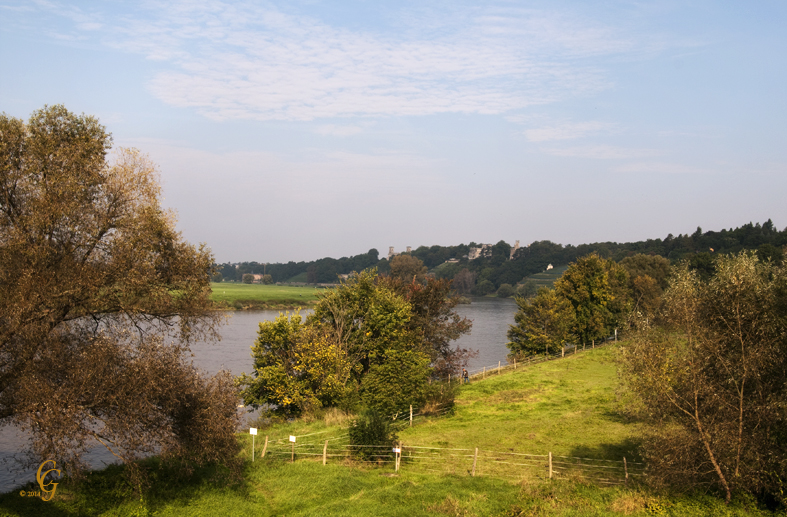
{"x": 40, "y": 478}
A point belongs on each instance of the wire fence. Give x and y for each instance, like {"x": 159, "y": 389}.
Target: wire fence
{"x": 334, "y": 445}
{"x": 460, "y": 461}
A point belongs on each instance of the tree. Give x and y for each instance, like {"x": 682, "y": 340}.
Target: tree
{"x": 408, "y": 268}
{"x": 99, "y": 300}
{"x": 248, "y": 278}
{"x": 586, "y": 286}
{"x": 505, "y": 291}
{"x": 464, "y": 281}
{"x": 541, "y": 323}
{"x": 712, "y": 381}
{"x": 266, "y": 279}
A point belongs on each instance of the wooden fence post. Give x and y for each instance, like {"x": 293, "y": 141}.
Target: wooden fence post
{"x": 265, "y": 448}
{"x": 514, "y": 363}
{"x": 411, "y": 415}
{"x": 325, "y": 453}
{"x": 563, "y": 354}
{"x": 626, "y": 470}
{"x": 594, "y": 343}
{"x": 550, "y": 464}
{"x": 484, "y": 376}
{"x": 498, "y": 367}
{"x": 475, "y": 459}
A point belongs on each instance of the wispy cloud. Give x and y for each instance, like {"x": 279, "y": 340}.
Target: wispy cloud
{"x": 568, "y": 131}
{"x": 660, "y": 168}
{"x": 236, "y": 60}
{"x": 602, "y": 152}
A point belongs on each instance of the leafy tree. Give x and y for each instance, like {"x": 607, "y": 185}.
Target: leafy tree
{"x": 408, "y": 268}
{"x": 541, "y": 323}
{"x": 484, "y": 288}
{"x": 216, "y": 277}
{"x": 399, "y": 380}
{"x": 435, "y": 323}
{"x": 99, "y": 300}
{"x": 527, "y": 289}
{"x": 266, "y": 279}
{"x": 297, "y": 367}
{"x": 505, "y": 291}
{"x": 464, "y": 281}
{"x": 712, "y": 381}
{"x": 586, "y": 286}
{"x": 248, "y": 278}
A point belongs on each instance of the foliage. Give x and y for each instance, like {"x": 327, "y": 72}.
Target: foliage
{"x": 505, "y": 291}
{"x": 464, "y": 281}
{"x": 248, "y": 278}
{"x": 99, "y": 300}
{"x": 297, "y": 368}
{"x": 541, "y": 323}
{"x": 595, "y": 288}
{"x": 435, "y": 322}
{"x": 484, "y": 288}
{"x": 712, "y": 383}
{"x": 408, "y": 268}
{"x": 527, "y": 289}
{"x": 373, "y": 436}
{"x": 266, "y": 280}
{"x": 399, "y": 381}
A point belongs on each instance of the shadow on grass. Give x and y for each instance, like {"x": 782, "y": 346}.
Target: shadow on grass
{"x": 628, "y": 448}
{"x": 108, "y": 489}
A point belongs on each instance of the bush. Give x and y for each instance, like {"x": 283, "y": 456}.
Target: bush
{"x": 505, "y": 291}
{"x": 372, "y": 436}
{"x": 484, "y": 288}
{"x": 248, "y": 278}
{"x": 391, "y": 387}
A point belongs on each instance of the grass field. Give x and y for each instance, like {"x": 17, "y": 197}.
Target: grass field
{"x": 567, "y": 406}
{"x": 547, "y": 278}
{"x": 257, "y": 296}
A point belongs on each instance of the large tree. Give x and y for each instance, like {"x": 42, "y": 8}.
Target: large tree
{"x": 712, "y": 382}
{"x": 99, "y": 300}
{"x": 542, "y": 322}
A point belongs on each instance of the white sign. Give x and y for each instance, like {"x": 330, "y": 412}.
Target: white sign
{"x": 292, "y": 438}
{"x": 397, "y": 449}
{"x": 252, "y": 430}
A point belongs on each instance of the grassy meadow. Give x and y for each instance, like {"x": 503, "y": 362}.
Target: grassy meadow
{"x": 231, "y": 295}
{"x": 568, "y": 407}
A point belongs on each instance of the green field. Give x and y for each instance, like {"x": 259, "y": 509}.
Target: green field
{"x": 567, "y": 406}
{"x": 258, "y": 296}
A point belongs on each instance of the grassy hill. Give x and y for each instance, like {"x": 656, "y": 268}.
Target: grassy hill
{"x": 567, "y": 406}
{"x": 547, "y": 278}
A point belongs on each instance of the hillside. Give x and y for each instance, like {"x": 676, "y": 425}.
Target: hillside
{"x": 568, "y": 407}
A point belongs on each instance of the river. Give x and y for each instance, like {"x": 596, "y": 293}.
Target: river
{"x": 490, "y": 316}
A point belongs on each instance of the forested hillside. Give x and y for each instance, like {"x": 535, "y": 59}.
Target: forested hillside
{"x": 527, "y": 260}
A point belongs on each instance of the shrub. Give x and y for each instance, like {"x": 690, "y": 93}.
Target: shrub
{"x": 372, "y": 436}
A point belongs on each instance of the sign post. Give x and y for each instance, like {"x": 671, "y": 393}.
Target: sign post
{"x": 253, "y": 433}
{"x": 292, "y": 441}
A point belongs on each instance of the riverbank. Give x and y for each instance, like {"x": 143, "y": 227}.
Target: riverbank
{"x": 236, "y": 296}
{"x": 567, "y": 407}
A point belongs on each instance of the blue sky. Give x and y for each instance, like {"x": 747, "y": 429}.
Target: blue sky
{"x": 298, "y": 130}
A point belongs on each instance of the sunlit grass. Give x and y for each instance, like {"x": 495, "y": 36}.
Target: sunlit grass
{"x": 259, "y": 296}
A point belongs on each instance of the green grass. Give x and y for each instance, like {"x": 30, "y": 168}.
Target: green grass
{"x": 567, "y": 406}
{"x": 258, "y": 296}
{"x": 547, "y": 278}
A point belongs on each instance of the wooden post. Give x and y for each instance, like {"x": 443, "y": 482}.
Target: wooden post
{"x": 449, "y": 379}
{"x": 563, "y": 354}
{"x": 411, "y": 415}
{"x": 594, "y": 343}
{"x": 484, "y": 377}
{"x": 292, "y": 458}
{"x": 498, "y": 367}
{"x": 616, "y": 335}
{"x": 265, "y": 448}
{"x": 550, "y": 464}
{"x": 626, "y": 470}
{"x": 325, "y": 453}
{"x": 398, "y": 456}
{"x": 514, "y": 363}
{"x": 475, "y": 459}
{"x": 252, "y": 448}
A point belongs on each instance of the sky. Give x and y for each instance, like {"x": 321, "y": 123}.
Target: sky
{"x": 304, "y": 129}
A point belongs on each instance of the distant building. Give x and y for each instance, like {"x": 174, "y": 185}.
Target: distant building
{"x": 392, "y": 253}
{"x": 484, "y": 251}
{"x": 549, "y": 267}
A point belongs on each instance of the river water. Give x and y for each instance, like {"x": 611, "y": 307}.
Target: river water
{"x": 490, "y": 316}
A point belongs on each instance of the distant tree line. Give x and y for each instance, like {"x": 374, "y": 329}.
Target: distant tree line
{"x": 487, "y": 274}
